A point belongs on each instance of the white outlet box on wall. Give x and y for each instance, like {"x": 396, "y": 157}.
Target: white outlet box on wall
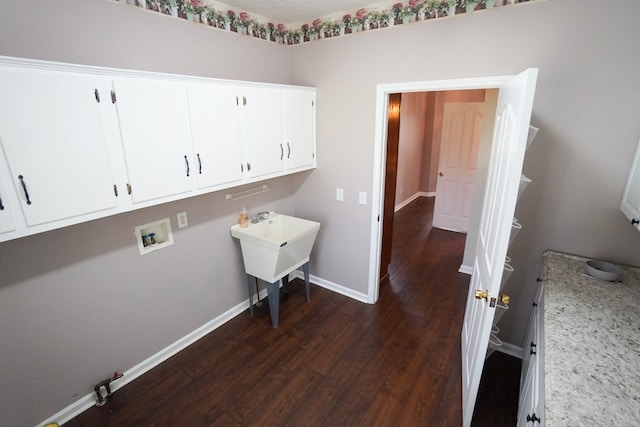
{"x": 154, "y": 236}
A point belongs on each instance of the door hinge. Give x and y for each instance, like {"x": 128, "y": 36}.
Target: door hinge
{"x": 115, "y": 190}
{"x": 97, "y": 94}
{"x": 129, "y": 188}
{"x": 313, "y": 103}
{"x": 113, "y": 96}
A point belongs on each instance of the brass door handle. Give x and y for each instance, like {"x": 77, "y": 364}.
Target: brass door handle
{"x": 441, "y": 174}
{"x": 504, "y": 299}
{"x": 480, "y": 294}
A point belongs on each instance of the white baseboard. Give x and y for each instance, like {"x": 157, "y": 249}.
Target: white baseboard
{"x": 89, "y": 400}
{"x": 334, "y": 287}
{"x": 510, "y": 349}
{"x": 466, "y": 269}
{"x": 412, "y": 198}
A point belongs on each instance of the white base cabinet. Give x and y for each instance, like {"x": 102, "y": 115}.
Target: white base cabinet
{"x": 80, "y": 143}
{"x": 531, "y": 403}
{"x": 630, "y": 204}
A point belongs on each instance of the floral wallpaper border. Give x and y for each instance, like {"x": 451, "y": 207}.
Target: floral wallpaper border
{"x": 361, "y": 20}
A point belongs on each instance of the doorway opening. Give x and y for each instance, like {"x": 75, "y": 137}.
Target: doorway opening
{"x": 435, "y": 143}
{"x": 387, "y": 107}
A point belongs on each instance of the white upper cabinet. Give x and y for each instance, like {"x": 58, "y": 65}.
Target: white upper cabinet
{"x": 214, "y": 117}
{"x": 630, "y": 204}
{"x": 264, "y": 125}
{"x": 52, "y": 133}
{"x": 300, "y": 128}
{"x": 154, "y": 127}
{"x": 79, "y": 143}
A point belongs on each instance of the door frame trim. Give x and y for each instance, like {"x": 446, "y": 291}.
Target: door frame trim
{"x": 380, "y": 157}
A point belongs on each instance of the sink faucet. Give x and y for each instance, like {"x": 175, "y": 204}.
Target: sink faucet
{"x": 259, "y": 217}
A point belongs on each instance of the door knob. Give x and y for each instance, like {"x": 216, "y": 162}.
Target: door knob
{"x": 480, "y": 294}
{"x": 441, "y": 174}
{"x": 504, "y": 299}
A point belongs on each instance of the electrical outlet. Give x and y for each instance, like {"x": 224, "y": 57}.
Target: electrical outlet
{"x": 182, "y": 220}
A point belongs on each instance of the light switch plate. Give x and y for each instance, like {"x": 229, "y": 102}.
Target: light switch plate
{"x": 362, "y": 198}
{"x": 340, "y": 194}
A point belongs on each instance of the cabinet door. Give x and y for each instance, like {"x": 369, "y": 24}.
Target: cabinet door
{"x": 7, "y": 222}
{"x": 154, "y": 126}
{"x": 630, "y": 204}
{"x": 300, "y": 128}
{"x": 525, "y": 406}
{"x": 215, "y": 130}
{"x": 53, "y": 137}
{"x": 264, "y": 131}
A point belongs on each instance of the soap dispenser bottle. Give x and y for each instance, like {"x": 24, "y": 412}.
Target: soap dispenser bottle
{"x": 244, "y": 218}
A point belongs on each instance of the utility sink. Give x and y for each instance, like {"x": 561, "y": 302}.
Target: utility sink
{"x": 273, "y": 248}
{"x": 276, "y": 246}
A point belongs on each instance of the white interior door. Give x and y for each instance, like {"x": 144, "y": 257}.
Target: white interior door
{"x": 459, "y": 143}
{"x": 505, "y": 166}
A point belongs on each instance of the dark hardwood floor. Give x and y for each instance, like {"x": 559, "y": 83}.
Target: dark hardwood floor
{"x": 333, "y": 361}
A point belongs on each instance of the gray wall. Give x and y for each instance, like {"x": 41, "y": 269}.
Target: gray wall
{"x": 78, "y": 303}
{"x": 586, "y": 108}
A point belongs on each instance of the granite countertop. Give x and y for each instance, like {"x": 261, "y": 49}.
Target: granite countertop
{"x": 591, "y": 345}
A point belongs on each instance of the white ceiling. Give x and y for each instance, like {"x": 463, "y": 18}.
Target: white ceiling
{"x": 294, "y": 11}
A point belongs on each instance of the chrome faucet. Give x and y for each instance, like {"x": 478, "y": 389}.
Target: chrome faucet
{"x": 259, "y": 217}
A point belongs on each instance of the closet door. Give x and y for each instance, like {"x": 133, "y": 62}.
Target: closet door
{"x": 154, "y": 126}
{"x": 53, "y": 138}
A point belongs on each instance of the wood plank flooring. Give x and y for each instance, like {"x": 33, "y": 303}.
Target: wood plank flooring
{"x": 333, "y": 361}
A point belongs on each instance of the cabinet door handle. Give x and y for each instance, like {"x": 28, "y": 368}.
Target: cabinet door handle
{"x": 281, "y": 152}
{"x": 199, "y": 164}
{"x": 1, "y": 205}
{"x": 635, "y": 221}
{"x": 533, "y": 418}
{"x": 186, "y": 161}
{"x": 288, "y": 150}
{"x": 24, "y": 188}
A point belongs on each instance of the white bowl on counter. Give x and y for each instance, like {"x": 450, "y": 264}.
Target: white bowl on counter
{"x": 603, "y": 270}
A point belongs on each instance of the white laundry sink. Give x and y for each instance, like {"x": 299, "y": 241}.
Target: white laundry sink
{"x": 276, "y": 246}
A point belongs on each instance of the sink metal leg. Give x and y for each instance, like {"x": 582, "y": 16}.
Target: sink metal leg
{"x": 273, "y": 292}
{"x": 250, "y": 285}
{"x": 285, "y": 283}
{"x": 305, "y": 270}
